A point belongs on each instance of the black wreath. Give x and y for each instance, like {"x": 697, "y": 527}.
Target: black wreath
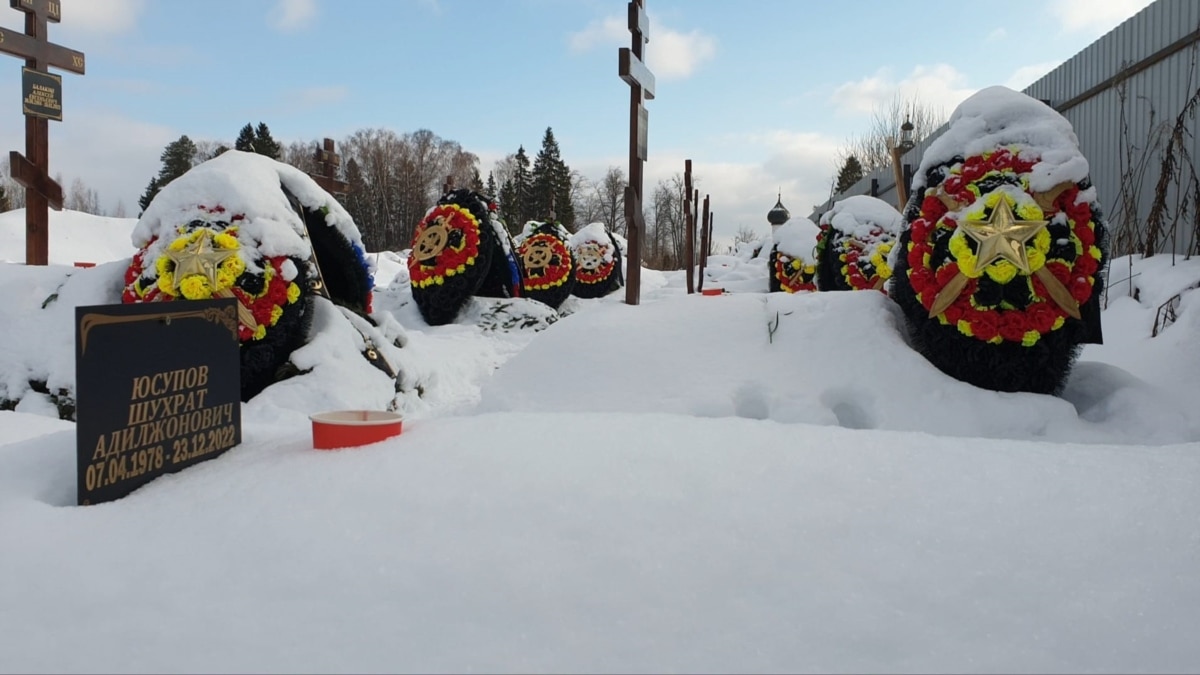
{"x": 1011, "y": 367}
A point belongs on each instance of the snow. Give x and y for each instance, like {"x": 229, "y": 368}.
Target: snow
{"x": 749, "y": 482}
{"x": 798, "y": 239}
{"x": 997, "y": 116}
{"x": 865, "y": 218}
{"x": 249, "y": 185}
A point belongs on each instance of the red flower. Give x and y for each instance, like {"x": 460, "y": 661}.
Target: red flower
{"x": 1085, "y": 234}
{"x": 916, "y": 255}
{"x": 1042, "y": 316}
{"x": 1086, "y": 265}
{"x": 985, "y": 325}
{"x": 921, "y": 279}
{"x": 1081, "y": 289}
{"x": 1014, "y": 325}
{"x": 946, "y": 272}
{"x": 955, "y": 312}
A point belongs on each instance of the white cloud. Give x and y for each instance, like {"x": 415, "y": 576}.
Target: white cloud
{"x": 609, "y": 32}
{"x": 114, "y": 155}
{"x": 103, "y": 16}
{"x": 292, "y": 15}
{"x": 1097, "y": 16}
{"x": 670, "y": 54}
{"x": 939, "y": 87}
{"x": 1027, "y": 75}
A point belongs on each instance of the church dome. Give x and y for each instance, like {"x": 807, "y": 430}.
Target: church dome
{"x": 778, "y": 215}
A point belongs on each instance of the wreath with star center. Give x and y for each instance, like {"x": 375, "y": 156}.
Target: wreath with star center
{"x": 997, "y": 261}
{"x": 206, "y": 259}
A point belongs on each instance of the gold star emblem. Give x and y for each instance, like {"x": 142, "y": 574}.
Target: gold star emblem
{"x": 199, "y": 257}
{"x": 1002, "y": 236}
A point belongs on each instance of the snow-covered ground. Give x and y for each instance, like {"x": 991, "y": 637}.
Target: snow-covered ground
{"x": 749, "y": 482}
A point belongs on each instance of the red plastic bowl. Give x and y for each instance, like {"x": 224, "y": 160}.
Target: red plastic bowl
{"x": 352, "y": 428}
{"x": 713, "y": 291}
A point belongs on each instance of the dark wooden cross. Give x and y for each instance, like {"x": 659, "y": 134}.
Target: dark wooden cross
{"x": 633, "y": 71}
{"x": 705, "y": 240}
{"x": 32, "y": 170}
{"x": 328, "y": 161}
{"x": 448, "y": 186}
{"x": 689, "y": 225}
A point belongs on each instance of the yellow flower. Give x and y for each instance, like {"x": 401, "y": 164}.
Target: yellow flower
{"x": 964, "y": 327}
{"x": 260, "y": 332}
{"x": 1030, "y": 338}
{"x": 1001, "y": 271}
{"x": 195, "y": 287}
{"x": 166, "y": 283}
{"x": 225, "y": 240}
{"x": 962, "y": 253}
{"x": 163, "y": 265}
{"x": 178, "y": 244}
{"x": 293, "y": 293}
{"x": 276, "y": 312}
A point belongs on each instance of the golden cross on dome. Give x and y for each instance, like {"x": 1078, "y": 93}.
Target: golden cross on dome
{"x": 1002, "y": 236}
{"x": 199, "y": 257}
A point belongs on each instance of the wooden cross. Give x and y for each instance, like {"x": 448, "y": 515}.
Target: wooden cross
{"x": 448, "y": 186}
{"x": 705, "y": 240}
{"x": 328, "y": 160}
{"x": 641, "y": 88}
{"x": 689, "y": 224}
{"x": 33, "y": 172}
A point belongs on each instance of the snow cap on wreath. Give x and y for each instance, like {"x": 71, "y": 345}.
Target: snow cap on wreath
{"x": 792, "y": 263}
{"x": 597, "y": 255}
{"x": 999, "y": 271}
{"x": 247, "y": 227}
{"x": 857, "y": 235}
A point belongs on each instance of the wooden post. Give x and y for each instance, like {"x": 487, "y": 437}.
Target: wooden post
{"x": 633, "y": 71}
{"x": 448, "y": 186}
{"x": 705, "y": 242}
{"x": 41, "y": 102}
{"x": 689, "y": 224}
{"x": 329, "y": 161}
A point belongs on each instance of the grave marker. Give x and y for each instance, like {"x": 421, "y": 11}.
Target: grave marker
{"x": 689, "y": 224}
{"x": 157, "y": 388}
{"x": 328, "y": 161}
{"x": 641, "y": 88}
{"x": 41, "y": 102}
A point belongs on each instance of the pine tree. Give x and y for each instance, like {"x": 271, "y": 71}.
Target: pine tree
{"x": 551, "y": 184}
{"x": 476, "y": 180}
{"x": 5, "y": 204}
{"x": 148, "y": 196}
{"x": 177, "y": 159}
{"x": 850, "y": 173}
{"x": 264, "y": 144}
{"x": 490, "y": 188}
{"x": 245, "y": 139}
{"x": 514, "y": 195}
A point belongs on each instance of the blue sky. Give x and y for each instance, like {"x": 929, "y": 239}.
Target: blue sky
{"x": 759, "y": 94}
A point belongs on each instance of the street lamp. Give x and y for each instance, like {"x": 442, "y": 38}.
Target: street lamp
{"x": 897, "y": 149}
